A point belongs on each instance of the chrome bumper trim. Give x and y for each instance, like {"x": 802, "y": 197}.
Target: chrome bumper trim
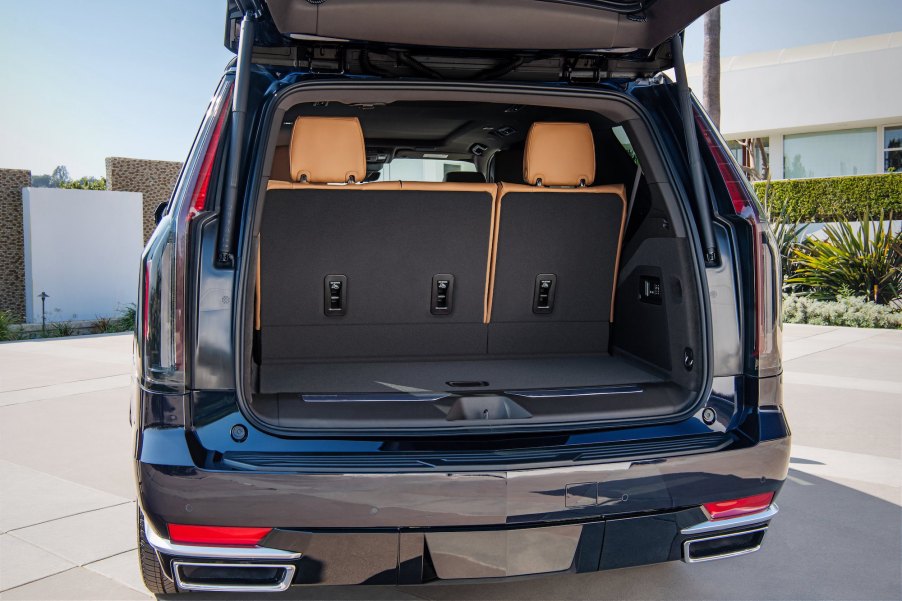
{"x": 164, "y": 545}
{"x": 687, "y": 546}
{"x": 282, "y": 585}
{"x": 737, "y": 522}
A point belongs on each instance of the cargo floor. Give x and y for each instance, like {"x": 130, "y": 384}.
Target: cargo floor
{"x": 454, "y": 376}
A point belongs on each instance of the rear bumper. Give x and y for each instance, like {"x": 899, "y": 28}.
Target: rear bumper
{"x": 179, "y": 492}
{"x": 415, "y": 557}
{"x": 414, "y": 527}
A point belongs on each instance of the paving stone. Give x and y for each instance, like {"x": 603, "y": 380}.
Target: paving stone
{"x": 122, "y": 568}
{"x": 30, "y": 497}
{"x": 21, "y": 562}
{"x": 74, "y": 584}
{"x": 86, "y": 537}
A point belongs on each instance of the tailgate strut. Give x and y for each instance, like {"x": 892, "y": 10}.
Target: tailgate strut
{"x": 224, "y": 255}
{"x": 703, "y": 205}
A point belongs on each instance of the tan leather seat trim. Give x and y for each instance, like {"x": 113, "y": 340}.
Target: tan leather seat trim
{"x": 496, "y": 229}
{"x": 559, "y": 154}
{"x": 618, "y": 190}
{"x": 257, "y": 289}
{"x": 492, "y": 190}
{"x": 327, "y": 150}
{"x": 282, "y": 185}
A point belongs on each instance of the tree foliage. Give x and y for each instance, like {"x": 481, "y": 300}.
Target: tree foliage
{"x": 85, "y": 183}
{"x": 60, "y": 179}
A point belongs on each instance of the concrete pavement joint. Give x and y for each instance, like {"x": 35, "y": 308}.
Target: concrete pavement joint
{"x": 20, "y": 396}
{"x": 829, "y": 348}
{"x": 861, "y": 467}
{"x": 12, "y": 588}
{"x": 67, "y": 517}
{"x": 64, "y": 383}
{"x": 845, "y": 382}
{"x": 75, "y": 563}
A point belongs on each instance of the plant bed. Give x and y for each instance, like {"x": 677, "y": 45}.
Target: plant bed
{"x": 844, "y": 311}
{"x": 11, "y": 331}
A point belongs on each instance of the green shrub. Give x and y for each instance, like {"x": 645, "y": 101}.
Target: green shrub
{"x": 62, "y": 328}
{"x": 787, "y": 234}
{"x": 864, "y": 262}
{"x": 126, "y": 320}
{"x": 844, "y": 311}
{"x": 103, "y": 325}
{"x": 833, "y": 198}
{"x": 6, "y": 320}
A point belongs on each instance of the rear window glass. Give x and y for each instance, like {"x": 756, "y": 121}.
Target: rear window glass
{"x": 624, "y": 140}
{"x": 421, "y": 170}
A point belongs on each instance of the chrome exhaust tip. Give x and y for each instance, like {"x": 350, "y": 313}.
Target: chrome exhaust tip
{"x": 722, "y": 546}
{"x": 232, "y": 577}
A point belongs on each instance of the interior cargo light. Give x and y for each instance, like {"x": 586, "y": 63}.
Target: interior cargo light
{"x": 216, "y": 535}
{"x": 721, "y": 510}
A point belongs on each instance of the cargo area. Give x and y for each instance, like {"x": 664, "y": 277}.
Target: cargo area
{"x": 519, "y": 269}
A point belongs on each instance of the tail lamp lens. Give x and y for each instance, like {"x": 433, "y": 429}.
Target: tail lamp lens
{"x": 216, "y": 535}
{"x": 768, "y": 327}
{"x": 164, "y": 283}
{"x": 722, "y": 510}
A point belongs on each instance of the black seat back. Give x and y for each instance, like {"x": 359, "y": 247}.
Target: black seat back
{"x": 557, "y": 249}
{"x": 391, "y": 249}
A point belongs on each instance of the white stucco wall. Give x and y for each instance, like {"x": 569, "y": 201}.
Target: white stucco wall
{"x": 839, "y": 85}
{"x": 83, "y": 248}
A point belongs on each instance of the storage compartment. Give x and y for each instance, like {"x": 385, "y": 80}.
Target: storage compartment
{"x": 552, "y": 285}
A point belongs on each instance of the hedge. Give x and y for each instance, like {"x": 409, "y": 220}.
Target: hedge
{"x": 834, "y": 198}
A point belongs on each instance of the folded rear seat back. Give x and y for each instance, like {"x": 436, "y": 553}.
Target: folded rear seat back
{"x": 475, "y": 205}
{"x": 557, "y": 249}
{"x": 388, "y": 247}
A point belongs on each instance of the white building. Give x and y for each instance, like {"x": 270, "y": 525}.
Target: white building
{"x": 82, "y": 249}
{"x": 822, "y": 110}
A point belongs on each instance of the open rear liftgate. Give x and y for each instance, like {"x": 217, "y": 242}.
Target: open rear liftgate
{"x": 411, "y": 555}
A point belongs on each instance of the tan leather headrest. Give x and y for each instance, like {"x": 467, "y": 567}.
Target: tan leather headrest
{"x": 327, "y": 150}
{"x": 559, "y": 154}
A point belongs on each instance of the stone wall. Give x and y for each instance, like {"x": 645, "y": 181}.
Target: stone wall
{"x": 154, "y": 179}
{"x": 12, "y": 258}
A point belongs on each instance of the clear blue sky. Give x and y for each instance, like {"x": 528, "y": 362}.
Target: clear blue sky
{"x": 87, "y": 79}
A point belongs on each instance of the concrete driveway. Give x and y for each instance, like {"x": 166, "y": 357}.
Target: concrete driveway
{"x": 67, "y": 510}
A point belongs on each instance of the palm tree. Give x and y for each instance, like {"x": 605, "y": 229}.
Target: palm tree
{"x": 711, "y": 65}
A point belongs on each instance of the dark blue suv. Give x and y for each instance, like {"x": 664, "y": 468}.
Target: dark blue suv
{"x": 451, "y": 290}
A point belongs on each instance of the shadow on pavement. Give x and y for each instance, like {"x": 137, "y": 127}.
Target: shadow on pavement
{"x": 828, "y": 542}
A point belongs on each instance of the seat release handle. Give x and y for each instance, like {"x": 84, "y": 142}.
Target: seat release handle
{"x": 335, "y": 295}
{"x": 543, "y": 295}
{"x": 442, "y": 294}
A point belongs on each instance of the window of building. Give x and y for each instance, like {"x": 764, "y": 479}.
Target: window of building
{"x": 753, "y": 155}
{"x": 830, "y": 153}
{"x": 422, "y": 170}
{"x": 892, "y": 149}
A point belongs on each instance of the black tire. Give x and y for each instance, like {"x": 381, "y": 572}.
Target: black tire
{"x": 151, "y": 571}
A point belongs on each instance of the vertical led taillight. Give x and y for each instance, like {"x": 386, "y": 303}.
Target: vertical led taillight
{"x": 165, "y": 280}
{"x": 766, "y": 329}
